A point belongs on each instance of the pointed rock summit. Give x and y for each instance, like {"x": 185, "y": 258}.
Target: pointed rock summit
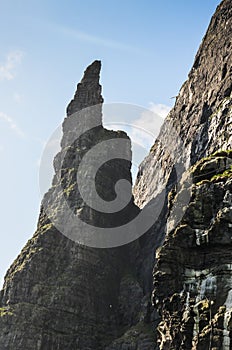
{"x": 88, "y": 91}
{"x": 92, "y": 72}
{"x": 59, "y": 294}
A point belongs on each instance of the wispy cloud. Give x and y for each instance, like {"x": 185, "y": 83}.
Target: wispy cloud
{"x": 160, "y": 109}
{"x": 147, "y": 126}
{"x": 92, "y": 39}
{"x": 12, "y": 124}
{"x": 142, "y": 126}
{"x": 7, "y": 69}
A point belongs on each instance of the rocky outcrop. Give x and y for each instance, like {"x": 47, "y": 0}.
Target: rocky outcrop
{"x": 192, "y": 280}
{"x": 59, "y": 294}
{"x": 198, "y": 125}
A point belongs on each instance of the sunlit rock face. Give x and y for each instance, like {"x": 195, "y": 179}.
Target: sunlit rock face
{"x": 199, "y": 125}
{"x": 200, "y": 122}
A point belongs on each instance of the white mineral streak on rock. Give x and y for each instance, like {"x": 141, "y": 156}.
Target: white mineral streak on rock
{"x": 187, "y": 306}
{"x": 200, "y": 284}
{"x": 196, "y": 322}
{"x": 227, "y": 316}
{"x": 208, "y": 287}
{"x": 202, "y": 237}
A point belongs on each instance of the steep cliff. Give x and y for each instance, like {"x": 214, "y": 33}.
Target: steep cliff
{"x": 60, "y": 294}
{"x": 192, "y": 278}
{"x": 193, "y": 274}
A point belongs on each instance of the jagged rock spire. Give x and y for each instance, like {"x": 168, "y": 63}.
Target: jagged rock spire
{"x": 62, "y": 294}
{"x": 88, "y": 91}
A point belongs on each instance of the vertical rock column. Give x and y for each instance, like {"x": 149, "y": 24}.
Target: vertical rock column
{"x": 59, "y": 294}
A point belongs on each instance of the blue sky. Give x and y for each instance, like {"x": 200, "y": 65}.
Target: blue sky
{"x": 146, "y": 47}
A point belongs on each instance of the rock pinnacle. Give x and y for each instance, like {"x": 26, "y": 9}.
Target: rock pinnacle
{"x": 88, "y": 91}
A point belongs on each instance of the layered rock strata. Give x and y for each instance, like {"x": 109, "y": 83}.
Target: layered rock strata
{"x": 199, "y": 125}
{"x": 59, "y": 294}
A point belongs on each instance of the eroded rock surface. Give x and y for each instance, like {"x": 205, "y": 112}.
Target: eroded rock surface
{"x": 59, "y": 294}
{"x": 199, "y": 125}
{"x": 192, "y": 280}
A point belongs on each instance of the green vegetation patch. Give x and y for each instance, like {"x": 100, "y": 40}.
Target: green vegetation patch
{"x": 5, "y": 311}
{"x": 211, "y": 168}
{"x": 226, "y": 174}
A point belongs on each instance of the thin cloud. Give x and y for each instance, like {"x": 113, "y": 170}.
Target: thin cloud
{"x": 92, "y": 39}
{"x": 7, "y": 69}
{"x": 147, "y": 126}
{"x": 12, "y": 124}
{"x": 160, "y": 109}
{"x": 142, "y": 126}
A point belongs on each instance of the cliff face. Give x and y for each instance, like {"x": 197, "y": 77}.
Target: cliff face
{"x": 192, "y": 278}
{"x": 61, "y": 294}
{"x": 199, "y": 123}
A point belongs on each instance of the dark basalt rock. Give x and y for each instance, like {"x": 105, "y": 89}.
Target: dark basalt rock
{"x": 59, "y": 294}
{"x": 192, "y": 279}
{"x": 198, "y": 125}
{"x": 88, "y": 91}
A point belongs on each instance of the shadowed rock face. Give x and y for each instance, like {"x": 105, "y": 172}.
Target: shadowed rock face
{"x": 88, "y": 91}
{"x": 59, "y": 294}
{"x": 193, "y": 280}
